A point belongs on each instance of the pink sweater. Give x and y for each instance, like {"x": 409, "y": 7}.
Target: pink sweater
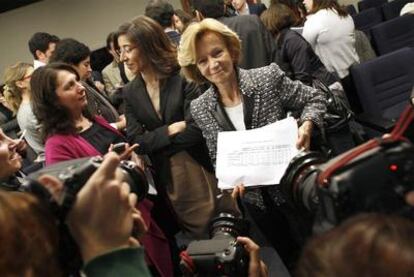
{"x": 60, "y": 148}
{"x": 64, "y": 147}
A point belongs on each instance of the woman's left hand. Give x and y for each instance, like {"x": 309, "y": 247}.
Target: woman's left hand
{"x": 304, "y": 135}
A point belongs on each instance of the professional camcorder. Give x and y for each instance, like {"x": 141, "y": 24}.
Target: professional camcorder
{"x": 221, "y": 255}
{"x": 373, "y": 177}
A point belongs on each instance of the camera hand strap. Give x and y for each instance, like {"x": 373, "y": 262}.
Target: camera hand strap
{"x": 396, "y": 135}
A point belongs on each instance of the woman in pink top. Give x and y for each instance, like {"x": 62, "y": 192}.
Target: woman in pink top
{"x": 59, "y": 103}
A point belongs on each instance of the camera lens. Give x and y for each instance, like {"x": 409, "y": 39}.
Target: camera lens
{"x": 226, "y": 224}
{"x": 298, "y": 181}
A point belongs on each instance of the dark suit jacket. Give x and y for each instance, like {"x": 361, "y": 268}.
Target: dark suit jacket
{"x": 257, "y": 8}
{"x": 150, "y": 132}
{"x": 258, "y": 46}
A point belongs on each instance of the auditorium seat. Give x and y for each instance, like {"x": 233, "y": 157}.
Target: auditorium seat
{"x": 392, "y": 9}
{"x": 367, "y": 4}
{"x": 367, "y": 19}
{"x": 351, "y": 9}
{"x": 383, "y": 86}
{"x": 393, "y": 34}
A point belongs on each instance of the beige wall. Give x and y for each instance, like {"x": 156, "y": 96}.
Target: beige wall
{"x": 88, "y": 21}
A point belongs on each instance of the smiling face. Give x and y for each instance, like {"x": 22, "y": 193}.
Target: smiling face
{"x": 10, "y": 160}
{"x": 214, "y": 60}
{"x": 130, "y": 55}
{"x": 70, "y": 93}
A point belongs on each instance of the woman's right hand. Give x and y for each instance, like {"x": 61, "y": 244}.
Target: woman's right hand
{"x": 176, "y": 127}
{"x": 238, "y": 191}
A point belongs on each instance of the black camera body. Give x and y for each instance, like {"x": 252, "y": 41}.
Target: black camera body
{"x": 74, "y": 174}
{"x": 221, "y": 255}
{"x": 376, "y": 181}
{"x": 373, "y": 181}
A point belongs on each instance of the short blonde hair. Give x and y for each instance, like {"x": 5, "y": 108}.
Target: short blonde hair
{"x": 187, "y": 56}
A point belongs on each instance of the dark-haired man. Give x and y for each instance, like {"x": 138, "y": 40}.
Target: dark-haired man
{"x": 163, "y": 12}
{"x": 243, "y": 8}
{"x": 258, "y": 46}
{"x": 42, "y": 45}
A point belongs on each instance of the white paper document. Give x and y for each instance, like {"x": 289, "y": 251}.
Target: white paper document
{"x": 256, "y": 157}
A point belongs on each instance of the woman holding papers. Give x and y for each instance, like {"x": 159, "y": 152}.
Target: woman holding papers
{"x": 246, "y": 99}
{"x": 157, "y": 105}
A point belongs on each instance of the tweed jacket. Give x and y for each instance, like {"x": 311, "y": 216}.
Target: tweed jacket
{"x": 268, "y": 94}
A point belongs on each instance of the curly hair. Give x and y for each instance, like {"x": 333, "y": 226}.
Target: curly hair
{"x": 156, "y": 48}
{"x": 54, "y": 118}
{"x": 12, "y": 93}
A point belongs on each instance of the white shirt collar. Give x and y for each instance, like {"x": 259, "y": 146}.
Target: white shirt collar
{"x": 245, "y": 10}
{"x": 37, "y": 64}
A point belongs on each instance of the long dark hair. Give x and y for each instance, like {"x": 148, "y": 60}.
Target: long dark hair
{"x": 154, "y": 45}
{"x": 53, "y": 117}
{"x": 328, "y": 4}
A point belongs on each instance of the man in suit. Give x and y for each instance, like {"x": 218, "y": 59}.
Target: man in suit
{"x": 243, "y": 8}
{"x": 258, "y": 46}
{"x": 163, "y": 12}
{"x": 42, "y": 45}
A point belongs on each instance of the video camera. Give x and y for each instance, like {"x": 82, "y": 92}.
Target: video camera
{"x": 373, "y": 177}
{"x": 221, "y": 255}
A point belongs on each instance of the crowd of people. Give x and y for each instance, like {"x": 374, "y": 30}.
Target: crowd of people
{"x": 175, "y": 82}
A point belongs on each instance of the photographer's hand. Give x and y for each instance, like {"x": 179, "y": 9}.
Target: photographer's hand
{"x": 102, "y": 216}
{"x": 409, "y": 198}
{"x": 126, "y": 154}
{"x": 304, "y": 135}
{"x": 256, "y": 266}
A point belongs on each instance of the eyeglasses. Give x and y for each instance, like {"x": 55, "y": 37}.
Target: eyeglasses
{"x": 126, "y": 50}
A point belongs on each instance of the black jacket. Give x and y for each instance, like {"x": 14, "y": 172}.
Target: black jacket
{"x": 150, "y": 132}
{"x": 297, "y": 58}
{"x": 258, "y": 46}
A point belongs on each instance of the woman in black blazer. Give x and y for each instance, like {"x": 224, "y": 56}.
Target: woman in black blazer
{"x": 157, "y": 105}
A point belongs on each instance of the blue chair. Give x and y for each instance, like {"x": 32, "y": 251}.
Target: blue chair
{"x": 367, "y": 19}
{"x": 367, "y": 4}
{"x": 393, "y": 9}
{"x": 393, "y": 34}
{"x": 383, "y": 86}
